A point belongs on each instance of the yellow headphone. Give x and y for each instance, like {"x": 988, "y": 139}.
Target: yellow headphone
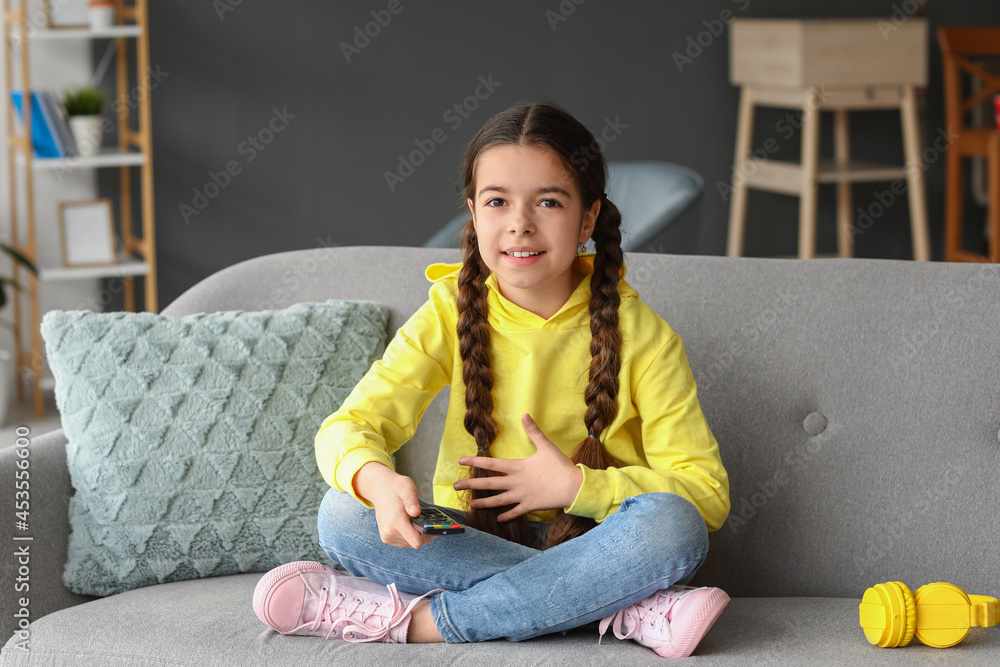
{"x": 938, "y": 614}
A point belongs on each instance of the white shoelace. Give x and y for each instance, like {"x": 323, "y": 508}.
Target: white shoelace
{"x": 359, "y": 625}
{"x": 655, "y": 608}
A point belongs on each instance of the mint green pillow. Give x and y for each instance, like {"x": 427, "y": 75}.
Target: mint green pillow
{"x": 191, "y": 439}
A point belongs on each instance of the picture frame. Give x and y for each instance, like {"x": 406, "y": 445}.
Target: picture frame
{"x": 86, "y": 233}
{"x": 65, "y": 15}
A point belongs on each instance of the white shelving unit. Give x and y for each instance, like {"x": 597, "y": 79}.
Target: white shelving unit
{"x": 126, "y": 266}
{"x": 107, "y": 156}
{"x": 137, "y": 255}
{"x": 86, "y": 33}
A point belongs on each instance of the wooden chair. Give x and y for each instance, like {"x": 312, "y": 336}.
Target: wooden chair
{"x": 959, "y": 45}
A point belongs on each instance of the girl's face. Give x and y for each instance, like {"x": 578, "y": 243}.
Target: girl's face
{"x": 526, "y": 201}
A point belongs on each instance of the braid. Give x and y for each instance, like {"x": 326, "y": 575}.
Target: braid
{"x": 551, "y": 127}
{"x": 601, "y": 395}
{"x": 474, "y": 345}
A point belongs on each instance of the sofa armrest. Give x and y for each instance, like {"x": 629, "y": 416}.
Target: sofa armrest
{"x": 32, "y": 569}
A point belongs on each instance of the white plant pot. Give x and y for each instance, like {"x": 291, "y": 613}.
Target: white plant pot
{"x": 87, "y": 133}
{"x": 101, "y": 17}
{"x": 6, "y": 382}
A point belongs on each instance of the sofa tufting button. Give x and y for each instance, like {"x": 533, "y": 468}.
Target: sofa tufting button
{"x": 814, "y": 423}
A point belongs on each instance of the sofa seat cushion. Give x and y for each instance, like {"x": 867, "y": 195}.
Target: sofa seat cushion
{"x": 211, "y": 623}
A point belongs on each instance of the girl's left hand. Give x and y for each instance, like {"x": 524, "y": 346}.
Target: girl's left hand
{"x": 545, "y": 480}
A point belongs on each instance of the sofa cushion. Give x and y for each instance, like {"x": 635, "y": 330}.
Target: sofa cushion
{"x": 211, "y": 623}
{"x": 190, "y": 440}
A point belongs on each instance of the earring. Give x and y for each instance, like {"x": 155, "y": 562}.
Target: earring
{"x": 582, "y": 248}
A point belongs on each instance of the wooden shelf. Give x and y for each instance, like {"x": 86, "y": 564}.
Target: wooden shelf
{"x": 126, "y": 265}
{"x": 107, "y": 156}
{"x": 131, "y": 157}
{"x": 52, "y": 34}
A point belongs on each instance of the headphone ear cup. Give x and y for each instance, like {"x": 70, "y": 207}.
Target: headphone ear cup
{"x": 909, "y": 611}
{"x": 944, "y": 614}
{"x": 888, "y": 614}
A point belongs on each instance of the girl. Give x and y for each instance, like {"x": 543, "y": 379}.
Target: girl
{"x": 574, "y": 447}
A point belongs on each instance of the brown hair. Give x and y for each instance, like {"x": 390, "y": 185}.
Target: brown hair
{"x": 551, "y": 127}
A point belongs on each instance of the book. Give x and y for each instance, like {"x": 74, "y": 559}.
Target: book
{"x": 50, "y": 122}
{"x": 42, "y": 133}
{"x": 58, "y": 115}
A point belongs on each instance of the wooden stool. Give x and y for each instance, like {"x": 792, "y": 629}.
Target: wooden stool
{"x": 817, "y": 65}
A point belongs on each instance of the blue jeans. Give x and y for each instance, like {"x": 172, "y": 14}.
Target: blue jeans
{"x": 495, "y": 588}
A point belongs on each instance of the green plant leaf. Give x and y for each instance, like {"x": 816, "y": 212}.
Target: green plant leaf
{"x": 19, "y": 257}
{"x": 8, "y": 281}
{"x": 85, "y": 101}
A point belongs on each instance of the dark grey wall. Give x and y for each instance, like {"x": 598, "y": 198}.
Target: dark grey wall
{"x": 234, "y": 69}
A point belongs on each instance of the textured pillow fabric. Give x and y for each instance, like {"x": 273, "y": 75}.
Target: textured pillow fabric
{"x": 191, "y": 439}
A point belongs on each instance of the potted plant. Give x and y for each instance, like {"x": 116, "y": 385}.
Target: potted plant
{"x": 7, "y": 361}
{"x": 101, "y": 13}
{"x": 84, "y": 107}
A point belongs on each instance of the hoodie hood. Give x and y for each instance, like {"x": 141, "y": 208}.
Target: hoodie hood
{"x": 506, "y": 314}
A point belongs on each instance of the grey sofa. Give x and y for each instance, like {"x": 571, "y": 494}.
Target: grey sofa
{"x": 857, "y": 407}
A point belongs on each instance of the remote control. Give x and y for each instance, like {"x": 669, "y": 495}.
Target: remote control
{"x": 433, "y": 521}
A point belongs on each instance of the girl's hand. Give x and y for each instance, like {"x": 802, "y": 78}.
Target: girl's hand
{"x": 545, "y": 480}
{"x": 395, "y": 499}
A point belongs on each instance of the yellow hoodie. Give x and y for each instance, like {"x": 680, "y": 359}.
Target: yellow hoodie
{"x": 541, "y": 367}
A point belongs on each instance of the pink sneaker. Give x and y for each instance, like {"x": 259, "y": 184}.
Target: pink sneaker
{"x": 670, "y": 621}
{"x": 306, "y": 598}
